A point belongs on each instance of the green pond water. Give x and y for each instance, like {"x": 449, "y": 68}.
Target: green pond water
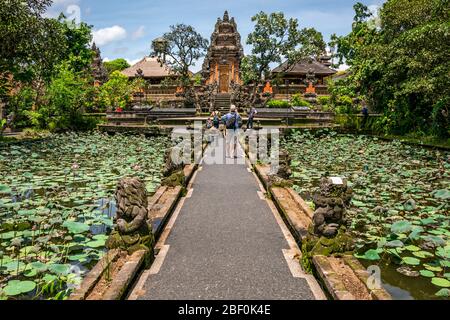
{"x": 57, "y": 206}
{"x": 400, "y": 208}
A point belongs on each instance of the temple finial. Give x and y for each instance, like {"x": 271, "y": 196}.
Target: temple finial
{"x": 226, "y": 17}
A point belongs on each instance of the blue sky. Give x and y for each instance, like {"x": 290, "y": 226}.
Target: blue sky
{"x": 125, "y": 29}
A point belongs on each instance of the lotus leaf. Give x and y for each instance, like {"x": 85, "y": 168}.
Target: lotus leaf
{"x": 76, "y": 227}
{"x": 411, "y": 261}
{"x": 401, "y": 227}
{"x": 427, "y": 273}
{"x": 440, "y": 282}
{"x": 16, "y": 287}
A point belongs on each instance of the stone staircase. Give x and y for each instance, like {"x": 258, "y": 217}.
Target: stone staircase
{"x": 223, "y": 102}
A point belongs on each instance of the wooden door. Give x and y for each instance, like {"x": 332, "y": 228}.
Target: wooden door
{"x": 224, "y": 79}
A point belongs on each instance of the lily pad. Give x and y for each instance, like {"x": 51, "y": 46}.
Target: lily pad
{"x": 442, "y": 194}
{"x": 445, "y": 293}
{"x": 427, "y": 273}
{"x": 371, "y": 255}
{"x": 394, "y": 244}
{"x": 411, "y": 261}
{"x": 16, "y": 287}
{"x": 441, "y": 282}
{"x": 4, "y": 189}
{"x": 401, "y": 226}
{"x": 76, "y": 227}
{"x": 59, "y": 269}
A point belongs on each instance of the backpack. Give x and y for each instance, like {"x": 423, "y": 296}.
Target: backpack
{"x": 231, "y": 122}
{"x": 216, "y": 120}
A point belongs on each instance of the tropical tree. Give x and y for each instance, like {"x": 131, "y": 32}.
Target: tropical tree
{"x": 180, "y": 48}
{"x": 401, "y": 65}
{"x": 276, "y": 38}
{"x": 64, "y": 101}
{"x": 30, "y": 44}
{"x": 116, "y": 65}
{"x": 249, "y": 69}
{"x": 118, "y": 91}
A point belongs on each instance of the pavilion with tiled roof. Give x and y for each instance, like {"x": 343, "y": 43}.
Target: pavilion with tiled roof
{"x": 296, "y": 73}
{"x": 150, "y": 69}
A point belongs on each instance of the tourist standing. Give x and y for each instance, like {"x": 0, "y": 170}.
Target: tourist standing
{"x": 232, "y": 122}
{"x": 216, "y": 119}
{"x": 209, "y": 123}
{"x": 365, "y": 113}
{"x": 251, "y": 116}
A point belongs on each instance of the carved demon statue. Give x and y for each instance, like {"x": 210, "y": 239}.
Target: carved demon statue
{"x": 131, "y": 199}
{"x": 331, "y": 202}
{"x": 243, "y": 96}
{"x": 134, "y": 229}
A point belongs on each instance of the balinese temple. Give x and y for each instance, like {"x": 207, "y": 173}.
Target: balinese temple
{"x": 296, "y": 74}
{"x": 98, "y": 69}
{"x": 150, "y": 69}
{"x": 223, "y": 59}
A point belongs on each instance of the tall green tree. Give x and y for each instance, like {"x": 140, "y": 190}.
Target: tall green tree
{"x": 276, "y": 38}
{"x": 65, "y": 100}
{"x": 181, "y": 47}
{"x": 116, "y": 65}
{"x": 402, "y": 65}
{"x": 273, "y": 38}
{"x": 249, "y": 70}
{"x": 77, "y": 39}
{"x": 30, "y": 44}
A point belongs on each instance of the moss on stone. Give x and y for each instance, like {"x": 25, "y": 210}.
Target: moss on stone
{"x": 313, "y": 245}
{"x": 175, "y": 179}
{"x": 133, "y": 243}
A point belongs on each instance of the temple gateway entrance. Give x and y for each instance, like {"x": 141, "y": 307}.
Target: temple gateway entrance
{"x": 224, "y": 79}
{"x": 223, "y": 59}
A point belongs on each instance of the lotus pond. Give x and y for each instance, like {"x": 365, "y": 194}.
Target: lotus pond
{"x": 400, "y": 208}
{"x": 57, "y": 206}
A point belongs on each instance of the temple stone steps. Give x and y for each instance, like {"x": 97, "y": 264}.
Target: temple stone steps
{"x": 223, "y": 102}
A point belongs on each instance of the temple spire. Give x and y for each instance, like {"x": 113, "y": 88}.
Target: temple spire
{"x": 226, "y": 17}
{"x": 98, "y": 69}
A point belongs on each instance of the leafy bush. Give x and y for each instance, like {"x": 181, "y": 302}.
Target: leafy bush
{"x": 298, "y": 101}
{"x": 118, "y": 91}
{"x": 345, "y": 105}
{"x": 21, "y": 103}
{"x": 324, "y": 100}
{"x": 63, "y": 104}
{"x": 278, "y": 104}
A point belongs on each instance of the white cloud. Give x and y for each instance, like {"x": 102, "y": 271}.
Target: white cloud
{"x": 374, "y": 9}
{"x": 133, "y": 62}
{"x": 139, "y": 33}
{"x": 107, "y": 35}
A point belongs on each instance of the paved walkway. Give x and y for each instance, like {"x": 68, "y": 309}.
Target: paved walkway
{"x": 226, "y": 243}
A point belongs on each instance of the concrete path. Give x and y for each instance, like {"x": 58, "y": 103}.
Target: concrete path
{"x": 225, "y": 242}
